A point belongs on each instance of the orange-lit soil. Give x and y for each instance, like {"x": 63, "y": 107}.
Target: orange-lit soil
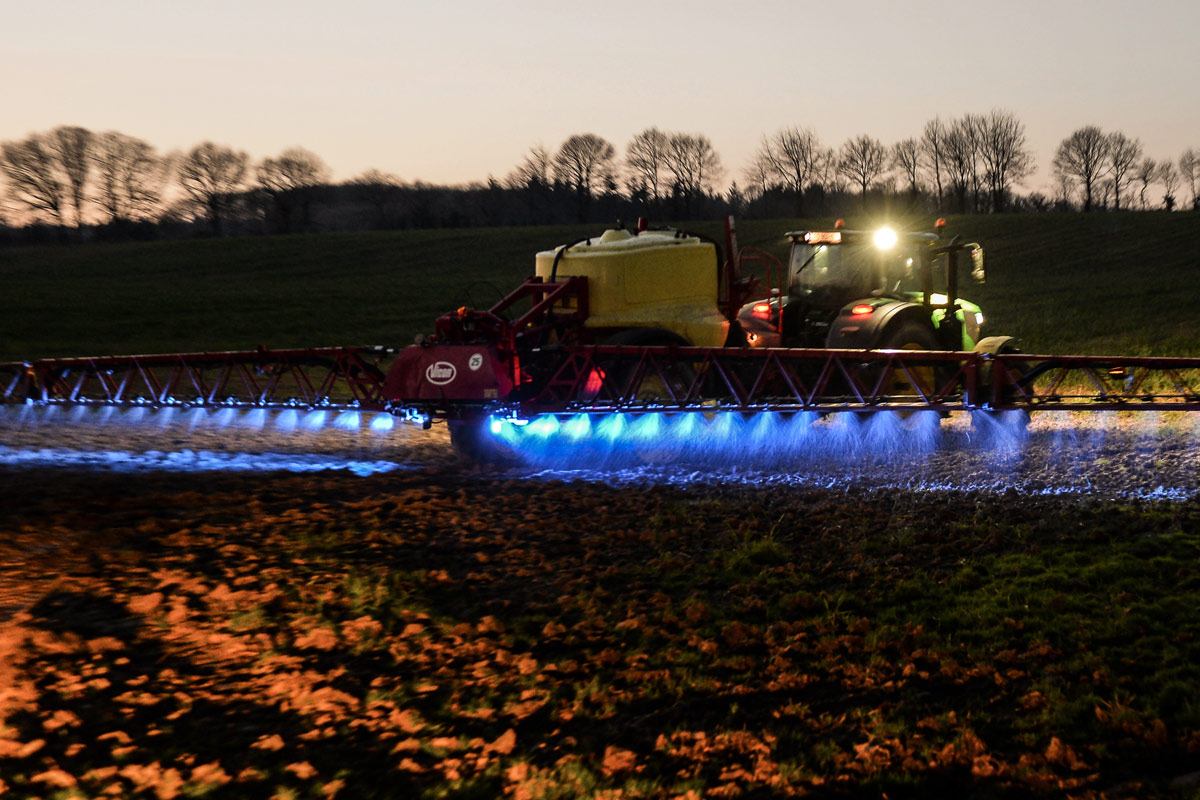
{"x": 447, "y": 632}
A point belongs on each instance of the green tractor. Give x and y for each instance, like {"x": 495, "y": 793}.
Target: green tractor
{"x": 874, "y": 290}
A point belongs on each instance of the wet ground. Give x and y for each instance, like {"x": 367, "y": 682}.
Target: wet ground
{"x": 1106, "y": 454}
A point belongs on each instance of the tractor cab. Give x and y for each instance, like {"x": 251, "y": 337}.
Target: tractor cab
{"x": 868, "y": 289}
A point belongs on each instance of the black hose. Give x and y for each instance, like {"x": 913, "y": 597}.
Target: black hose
{"x": 562, "y": 252}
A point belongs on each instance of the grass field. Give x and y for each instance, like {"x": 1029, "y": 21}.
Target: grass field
{"x": 1098, "y": 284}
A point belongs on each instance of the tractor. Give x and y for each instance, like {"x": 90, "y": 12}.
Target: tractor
{"x": 869, "y": 290}
{"x": 873, "y": 290}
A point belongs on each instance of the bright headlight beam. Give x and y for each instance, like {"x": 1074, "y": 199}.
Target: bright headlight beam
{"x": 885, "y": 238}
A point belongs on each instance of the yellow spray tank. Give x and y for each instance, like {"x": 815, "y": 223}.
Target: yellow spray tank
{"x": 655, "y": 279}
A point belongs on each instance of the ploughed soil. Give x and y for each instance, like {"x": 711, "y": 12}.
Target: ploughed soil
{"x": 438, "y": 630}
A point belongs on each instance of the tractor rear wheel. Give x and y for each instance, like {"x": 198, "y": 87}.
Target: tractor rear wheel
{"x": 911, "y": 336}
{"x": 669, "y": 381}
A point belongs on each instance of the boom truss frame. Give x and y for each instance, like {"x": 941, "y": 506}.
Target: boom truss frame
{"x": 606, "y": 378}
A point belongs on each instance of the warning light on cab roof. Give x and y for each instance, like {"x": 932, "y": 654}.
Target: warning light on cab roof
{"x": 823, "y": 237}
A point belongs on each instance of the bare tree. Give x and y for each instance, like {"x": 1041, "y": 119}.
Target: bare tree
{"x": 758, "y": 177}
{"x": 292, "y": 182}
{"x": 646, "y": 158}
{"x": 295, "y": 168}
{"x": 1147, "y": 173}
{"x": 131, "y": 176}
{"x": 584, "y": 161}
{"x": 533, "y": 171}
{"x": 693, "y": 164}
{"x": 1170, "y": 181}
{"x": 961, "y": 148}
{"x": 1082, "y": 158}
{"x": 1123, "y": 155}
{"x": 33, "y": 177}
{"x": 531, "y": 181}
{"x": 211, "y": 174}
{"x": 1189, "y": 168}
{"x": 933, "y": 147}
{"x": 863, "y": 161}
{"x": 792, "y": 158}
{"x": 1006, "y": 160}
{"x": 72, "y": 149}
{"x": 1064, "y": 191}
{"x": 906, "y": 157}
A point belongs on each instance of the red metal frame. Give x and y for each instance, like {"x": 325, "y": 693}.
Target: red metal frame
{"x": 733, "y": 379}
{"x": 744, "y": 379}
{"x": 339, "y": 377}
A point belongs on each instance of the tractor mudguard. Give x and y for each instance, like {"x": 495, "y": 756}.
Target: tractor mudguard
{"x": 865, "y": 331}
{"x": 458, "y": 372}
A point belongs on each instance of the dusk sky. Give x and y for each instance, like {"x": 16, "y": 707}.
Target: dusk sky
{"x": 452, "y": 92}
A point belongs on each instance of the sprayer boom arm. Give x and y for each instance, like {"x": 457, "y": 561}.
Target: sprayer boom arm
{"x": 600, "y": 378}
{"x": 326, "y": 377}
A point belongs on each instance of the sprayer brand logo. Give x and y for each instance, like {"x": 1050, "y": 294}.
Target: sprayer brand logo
{"x": 440, "y": 373}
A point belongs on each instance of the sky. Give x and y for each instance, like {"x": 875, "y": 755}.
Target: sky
{"x": 452, "y": 92}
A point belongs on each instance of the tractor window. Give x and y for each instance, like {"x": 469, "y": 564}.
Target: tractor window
{"x": 854, "y": 270}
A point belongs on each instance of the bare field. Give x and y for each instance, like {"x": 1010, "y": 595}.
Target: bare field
{"x": 249, "y": 627}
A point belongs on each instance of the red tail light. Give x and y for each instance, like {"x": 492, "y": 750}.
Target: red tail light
{"x": 862, "y": 309}
{"x": 595, "y": 380}
{"x": 762, "y": 310}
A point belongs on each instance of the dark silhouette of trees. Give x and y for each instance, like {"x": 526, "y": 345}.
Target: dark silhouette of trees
{"x": 130, "y": 177}
{"x": 863, "y": 161}
{"x": 693, "y": 165}
{"x": 1081, "y": 160}
{"x": 1189, "y": 169}
{"x": 906, "y": 157}
{"x": 791, "y": 158}
{"x": 933, "y": 150}
{"x": 381, "y": 191}
{"x": 1123, "y": 155}
{"x": 1169, "y": 177}
{"x": 534, "y": 170}
{"x": 49, "y": 172}
{"x": 646, "y": 162}
{"x": 531, "y": 181}
{"x": 71, "y": 178}
{"x": 292, "y": 183}
{"x": 1147, "y": 173}
{"x": 1006, "y": 159}
{"x": 962, "y": 149}
{"x": 584, "y": 162}
{"x": 33, "y": 177}
{"x": 212, "y": 175}
{"x": 71, "y": 147}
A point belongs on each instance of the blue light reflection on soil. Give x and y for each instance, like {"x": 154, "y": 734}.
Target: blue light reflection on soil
{"x": 1096, "y": 454}
{"x": 252, "y": 436}
{"x": 1144, "y": 455}
{"x": 187, "y": 461}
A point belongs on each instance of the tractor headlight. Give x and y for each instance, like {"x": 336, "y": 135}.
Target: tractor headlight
{"x": 885, "y": 238}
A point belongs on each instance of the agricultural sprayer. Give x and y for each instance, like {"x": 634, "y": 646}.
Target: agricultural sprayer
{"x": 660, "y": 321}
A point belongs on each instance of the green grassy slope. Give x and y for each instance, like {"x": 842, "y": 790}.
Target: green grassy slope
{"x": 1063, "y": 283}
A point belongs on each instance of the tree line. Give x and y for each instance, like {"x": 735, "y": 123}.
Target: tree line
{"x": 70, "y": 181}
